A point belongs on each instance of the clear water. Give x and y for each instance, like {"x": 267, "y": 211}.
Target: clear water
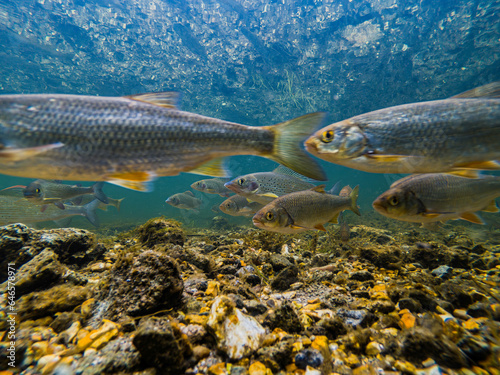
{"x": 255, "y": 62}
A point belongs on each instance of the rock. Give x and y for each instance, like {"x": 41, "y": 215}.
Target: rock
{"x": 284, "y": 317}
{"x": 236, "y": 334}
{"x": 455, "y": 294}
{"x": 308, "y": 357}
{"x": 361, "y": 275}
{"x": 276, "y": 357}
{"x": 476, "y": 349}
{"x": 285, "y": 278}
{"x": 255, "y": 307}
{"x": 252, "y": 279}
{"x": 479, "y": 309}
{"x": 355, "y": 318}
{"x": 162, "y": 345}
{"x": 279, "y": 262}
{"x": 410, "y": 304}
{"x": 333, "y": 327}
{"x": 160, "y": 231}
{"x": 64, "y": 320}
{"x": 147, "y": 283}
{"x": 443, "y": 272}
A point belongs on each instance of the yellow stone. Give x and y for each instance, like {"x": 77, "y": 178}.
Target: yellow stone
{"x": 364, "y": 370}
{"x": 218, "y": 369}
{"x": 405, "y": 367}
{"x": 204, "y": 309}
{"x": 313, "y": 301}
{"x": 86, "y": 307}
{"x": 407, "y": 321}
{"x": 212, "y": 288}
{"x": 196, "y": 319}
{"x": 312, "y": 307}
{"x": 471, "y": 325}
{"x": 479, "y": 371}
{"x": 373, "y": 348}
{"x": 257, "y": 368}
{"x": 40, "y": 349}
{"x": 352, "y": 360}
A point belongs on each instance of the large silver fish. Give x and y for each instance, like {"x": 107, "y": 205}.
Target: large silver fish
{"x": 130, "y": 140}
{"x": 304, "y": 210}
{"x": 457, "y": 134}
{"x": 264, "y": 187}
{"x": 16, "y": 209}
{"x": 426, "y": 198}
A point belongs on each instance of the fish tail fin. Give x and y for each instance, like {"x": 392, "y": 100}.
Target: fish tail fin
{"x": 98, "y": 193}
{"x": 287, "y": 150}
{"x": 118, "y": 204}
{"x": 89, "y": 211}
{"x": 354, "y": 197}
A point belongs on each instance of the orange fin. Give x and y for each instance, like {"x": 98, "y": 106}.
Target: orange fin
{"x": 430, "y": 214}
{"x": 469, "y": 173}
{"x": 16, "y": 154}
{"x": 214, "y": 168}
{"x": 491, "y": 207}
{"x": 335, "y": 219}
{"x": 293, "y": 226}
{"x": 140, "y": 181}
{"x": 319, "y": 188}
{"x": 320, "y": 227}
{"x": 268, "y": 195}
{"x": 487, "y": 164}
{"x": 472, "y": 217}
{"x": 167, "y": 99}
{"x": 386, "y": 158}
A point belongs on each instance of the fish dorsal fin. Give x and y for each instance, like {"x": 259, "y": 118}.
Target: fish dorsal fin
{"x": 281, "y": 169}
{"x": 491, "y": 90}
{"x": 187, "y": 192}
{"x": 214, "y": 167}
{"x": 491, "y": 207}
{"x": 472, "y": 217}
{"x": 318, "y": 189}
{"x": 166, "y": 99}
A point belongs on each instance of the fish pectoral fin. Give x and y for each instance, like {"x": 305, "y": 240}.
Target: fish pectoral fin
{"x": 491, "y": 207}
{"x": 140, "y": 181}
{"x": 335, "y": 219}
{"x": 167, "y": 99}
{"x": 12, "y": 154}
{"x": 214, "y": 168}
{"x": 295, "y": 226}
{"x": 482, "y": 165}
{"x": 319, "y": 188}
{"x": 431, "y": 215}
{"x": 320, "y": 227}
{"x": 268, "y": 195}
{"x": 50, "y": 200}
{"x": 472, "y": 217}
{"x": 60, "y": 205}
{"x": 383, "y": 158}
{"x": 469, "y": 173}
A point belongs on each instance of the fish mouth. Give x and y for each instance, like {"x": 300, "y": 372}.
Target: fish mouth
{"x": 257, "y": 223}
{"x": 231, "y": 187}
{"x": 311, "y": 144}
{"x": 378, "y": 206}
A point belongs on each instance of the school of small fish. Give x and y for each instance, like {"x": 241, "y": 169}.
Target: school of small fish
{"x": 129, "y": 141}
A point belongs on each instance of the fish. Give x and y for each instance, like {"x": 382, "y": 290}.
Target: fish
{"x": 129, "y": 141}
{"x": 43, "y": 192}
{"x": 212, "y": 186}
{"x": 239, "y": 206}
{"x": 264, "y": 187}
{"x": 304, "y": 210}
{"x": 433, "y": 197}
{"x": 344, "y": 230}
{"x": 16, "y": 209}
{"x": 186, "y": 201}
{"x": 84, "y": 199}
{"x": 458, "y": 134}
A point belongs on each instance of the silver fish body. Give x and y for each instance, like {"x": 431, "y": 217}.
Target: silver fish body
{"x": 304, "y": 210}
{"x": 130, "y": 140}
{"x": 212, "y": 186}
{"x": 459, "y": 133}
{"x": 238, "y": 205}
{"x": 426, "y": 198}
{"x": 185, "y": 201}
{"x": 45, "y": 191}
{"x": 264, "y": 187}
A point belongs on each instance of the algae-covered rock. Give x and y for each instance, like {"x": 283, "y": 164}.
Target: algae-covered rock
{"x": 237, "y": 334}
{"x": 285, "y": 278}
{"x": 163, "y": 346}
{"x": 160, "y": 231}
{"x": 143, "y": 284}
{"x": 285, "y": 318}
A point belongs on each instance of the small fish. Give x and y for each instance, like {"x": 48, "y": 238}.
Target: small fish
{"x": 15, "y": 209}
{"x": 43, "y": 192}
{"x": 212, "y": 186}
{"x": 264, "y": 187}
{"x": 427, "y": 198}
{"x": 240, "y": 206}
{"x": 84, "y": 199}
{"x": 461, "y": 133}
{"x": 130, "y": 140}
{"x": 304, "y": 210}
{"x": 344, "y": 230}
{"x": 186, "y": 201}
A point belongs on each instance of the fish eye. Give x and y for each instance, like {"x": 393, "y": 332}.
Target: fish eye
{"x": 241, "y": 181}
{"x": 393, "y": 200}
{"x": 269, "y": 216}
{"x": 37, "y": 190}
{"x": 327, "y": 136}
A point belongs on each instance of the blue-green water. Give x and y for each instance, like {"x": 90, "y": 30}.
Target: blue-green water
{"x": 254, "y": 62}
